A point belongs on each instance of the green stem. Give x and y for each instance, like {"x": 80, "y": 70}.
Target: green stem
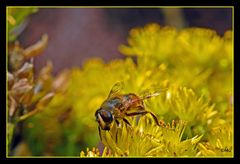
{"x": 29, "y": 114}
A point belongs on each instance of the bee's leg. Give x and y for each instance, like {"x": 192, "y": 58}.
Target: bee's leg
{"x": 143, "y": 113}
{"x": 118, "y": 126}
{"x": 154, "y": 117}
{"x": 118, "y": 123}
{"x": 130, "y": 126}
{"x": 99, "y": 131}
{"x": 126, "y": 121}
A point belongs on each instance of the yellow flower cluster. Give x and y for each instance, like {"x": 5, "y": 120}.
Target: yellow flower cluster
{"x": 195, "y": 65}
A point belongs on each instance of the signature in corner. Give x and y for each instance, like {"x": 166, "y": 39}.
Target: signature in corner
{"x": 225, "y": 149}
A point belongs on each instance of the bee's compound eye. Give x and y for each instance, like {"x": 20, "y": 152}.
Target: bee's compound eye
{"x": 96, "y": 113}
{"x": 106, "y": 116}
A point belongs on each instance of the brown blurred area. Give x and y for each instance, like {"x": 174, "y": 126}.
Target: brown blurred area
{"x": 74, "y": 35}
{"x": 77, "y": 34}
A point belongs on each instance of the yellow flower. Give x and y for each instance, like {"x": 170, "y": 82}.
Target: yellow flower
{"x": 145, "y": 139}
{"x": 219, "y": 141}
{"x": 193, "y": 64}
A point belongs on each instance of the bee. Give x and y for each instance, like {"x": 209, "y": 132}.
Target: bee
{"x": 119, "y": 106}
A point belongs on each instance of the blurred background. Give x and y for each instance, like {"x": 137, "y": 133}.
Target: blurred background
{"x": 67, "y": 124}
{"x": 97, "y": 32}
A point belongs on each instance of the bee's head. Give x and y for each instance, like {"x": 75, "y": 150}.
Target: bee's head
{"x": 104, "y": 118}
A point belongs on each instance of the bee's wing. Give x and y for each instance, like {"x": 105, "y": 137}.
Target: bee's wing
{"x": 117, "y": 87}
{"x": 155, "y": 91}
